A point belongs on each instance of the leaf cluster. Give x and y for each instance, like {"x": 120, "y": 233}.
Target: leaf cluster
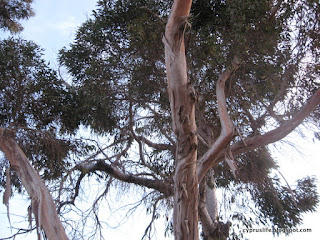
{"x": 35, "y": 104}
{"x": 118, "y": 71}
{"x": 284, "y": 206}
{"x": 11, "y": 11}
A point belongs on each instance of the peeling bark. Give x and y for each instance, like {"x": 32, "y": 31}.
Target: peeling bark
{"x": 210, "y": 158}
{"x": 43, "y": 206}
{"x": 182, "y": 104}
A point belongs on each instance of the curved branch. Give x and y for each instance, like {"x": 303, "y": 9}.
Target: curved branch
{"x": 43, "y": 205}
{"x": 282, "y": 131}
{"x": 76, "y": 193}
{"x": 139, "y": 139}
{"x": 209, "y": 159}
{"x": 161, "y": 186}
{"x": 157, "y": 146}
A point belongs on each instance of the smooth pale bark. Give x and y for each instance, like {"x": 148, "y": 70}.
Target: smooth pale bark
{"x": 279, "y": 133}
{"x": 213, "y": 229}
{"x": 43, "y": 206}
{"x": 272, "y": 136}
{"x": 182, "y": 104}
{"x": 208, "y": 211}
{"x": 211, "y": 196}
{"x": 210, "y": 158}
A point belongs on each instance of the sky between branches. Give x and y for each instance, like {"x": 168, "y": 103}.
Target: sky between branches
{"x": 54, "y": 26}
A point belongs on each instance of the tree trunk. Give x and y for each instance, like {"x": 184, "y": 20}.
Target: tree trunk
{"x": 182, "y": 103}
{"x": 212, "y": 228}
{"x": 43, "y": 206}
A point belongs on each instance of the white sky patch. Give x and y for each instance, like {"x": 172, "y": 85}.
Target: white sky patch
{"x": 70, "y": 24}
{"x": 55, "y": 24}
{"x": 65, "y": 27}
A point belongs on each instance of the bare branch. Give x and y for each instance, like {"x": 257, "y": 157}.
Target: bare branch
{"x": 76, "y": 193}
{"x": 161, "y": 186}
{"x": 157, "y": 115}
{"x": 209, "y": 159}
{"x": 20, "y": 231}
{"x": 147, "y": 232}
{"x": 157, "y": 146}
{"x": 275, "y": 10}
{"x": 204, "y": 132}
{"x": 282, "y": 131}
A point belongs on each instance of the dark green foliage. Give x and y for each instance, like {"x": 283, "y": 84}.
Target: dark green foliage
{"x": 113, "y": 61}
{"x": 13, "y": 10}
{"x": 34, "y": 103}
{"x": 119, "y": 84}
{"x": 255, "y": 165}
{"x": 28, "y": 87}
{"x": 284, "y": 206}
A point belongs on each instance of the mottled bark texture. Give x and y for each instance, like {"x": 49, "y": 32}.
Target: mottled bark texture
{"x": 182, "y": 102}
{"x": 43, "y": 206}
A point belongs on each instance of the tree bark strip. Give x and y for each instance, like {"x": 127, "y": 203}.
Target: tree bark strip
{"x": 182, "y": 103}
{"x": 210, "y": 158}
{"x": 279, "y": 133}
{"x": 272, "y": 136}
{"x": 43, "y": 206}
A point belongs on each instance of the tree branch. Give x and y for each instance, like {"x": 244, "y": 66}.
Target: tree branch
{"x": 204, "y": 132}
{"x": 157, "y": 146}
{"x": 210, "y": 158}
{"x": 76, "y": 193}
{"x": 282, "y": 131}
{"x": 43, "y": 206}
{"x": 161, "y": 186}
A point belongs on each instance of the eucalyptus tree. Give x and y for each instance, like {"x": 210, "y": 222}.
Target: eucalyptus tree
{"x": 240, "y": 75}
{"x": 32, "y": 123}
{"x": 188, "y": 99}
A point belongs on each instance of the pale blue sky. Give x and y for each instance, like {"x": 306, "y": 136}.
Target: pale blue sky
{"x": 55, "y": 23}
{"x": 53, "y": 27}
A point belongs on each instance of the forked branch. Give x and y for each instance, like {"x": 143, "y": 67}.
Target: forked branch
{"x": 209, "y": 159}
{"x": 279, "y": 133}
{"x": 100, "y": 165}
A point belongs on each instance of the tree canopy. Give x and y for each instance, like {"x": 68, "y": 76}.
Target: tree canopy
{"x": 11, "y": 11}
{"x": 268, "y": 53}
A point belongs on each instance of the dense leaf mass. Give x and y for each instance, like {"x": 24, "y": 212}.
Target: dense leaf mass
{"x": 118, "y": 94}
{"x": 284, "y": 206}
{"x": 13, "y": 10}
{"x": 117, "y": 64}
{"x": 33, "y": 104}
{"x": 25, "y": 91}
